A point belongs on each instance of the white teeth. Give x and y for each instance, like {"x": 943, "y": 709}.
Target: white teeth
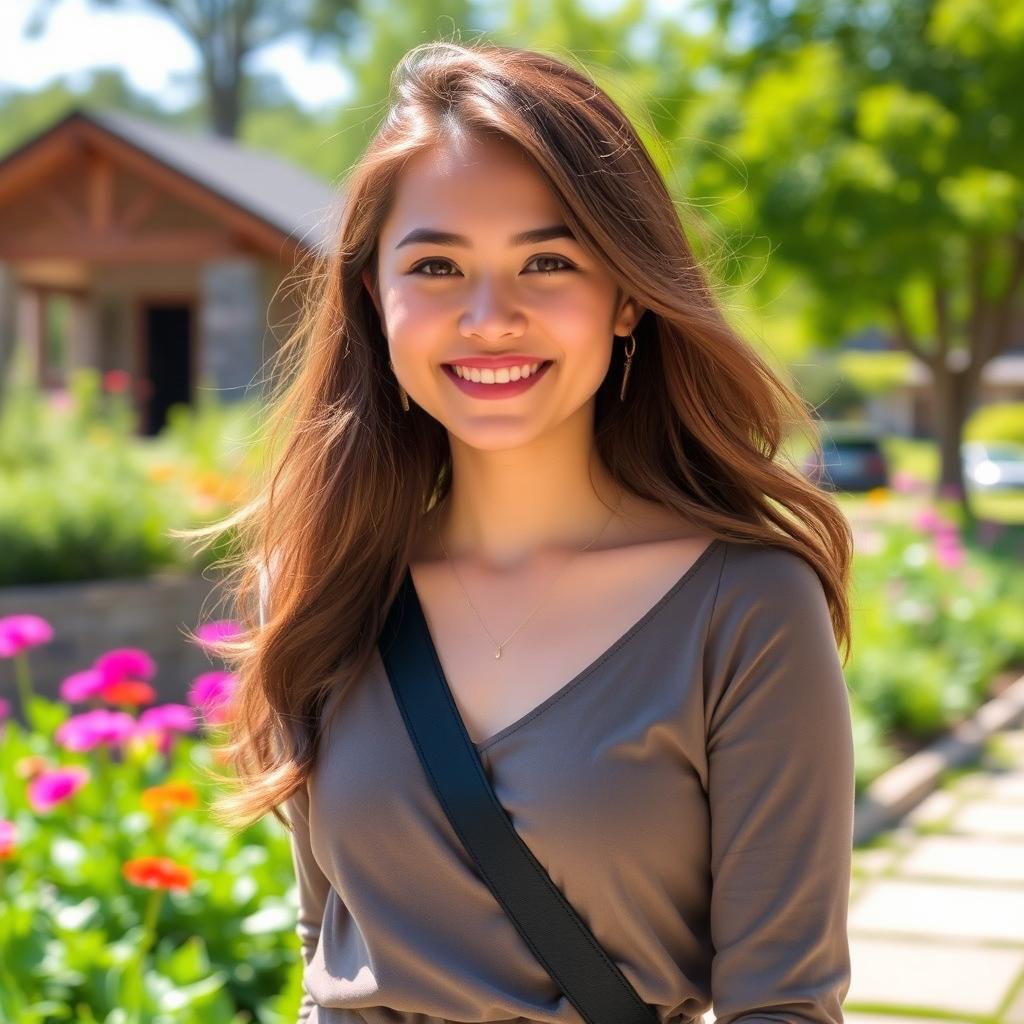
{"x": 502, "y": 376}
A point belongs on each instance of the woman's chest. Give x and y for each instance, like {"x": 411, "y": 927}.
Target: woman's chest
{"x": 548, "y": 634}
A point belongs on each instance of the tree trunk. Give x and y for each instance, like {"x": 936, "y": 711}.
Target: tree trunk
{"x": 224, "y": 105}
{"x": 954, "y": 394}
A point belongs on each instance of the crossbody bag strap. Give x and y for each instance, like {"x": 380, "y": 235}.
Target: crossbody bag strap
{"x": 549, "y": 925}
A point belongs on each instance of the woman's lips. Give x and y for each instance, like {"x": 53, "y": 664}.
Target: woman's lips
{"x": 513, "y": 387}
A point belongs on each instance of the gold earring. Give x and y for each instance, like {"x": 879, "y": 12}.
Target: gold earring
{"x": 629, "y": 362}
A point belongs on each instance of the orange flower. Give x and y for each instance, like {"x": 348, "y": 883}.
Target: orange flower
{"x": 161, "y": 471}
{"x": 169, "y": 796}
{"x": 29, "y": 766}
{"x": 158, "y": 873}
{"x": 8, "y": 839}
{"x": 128, "y": 691}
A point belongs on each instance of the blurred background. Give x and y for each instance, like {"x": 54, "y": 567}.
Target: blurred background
{"x": 850, "y": 172}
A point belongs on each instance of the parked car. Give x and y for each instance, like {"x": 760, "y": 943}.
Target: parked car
{"x": 993, "y": 465}
{"x": 853, "y": 459}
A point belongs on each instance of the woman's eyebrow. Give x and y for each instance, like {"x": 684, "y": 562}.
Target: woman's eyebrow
{"x": 531, "y": 237}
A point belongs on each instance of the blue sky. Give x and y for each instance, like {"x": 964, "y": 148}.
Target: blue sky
{"x": 156, "y": 57}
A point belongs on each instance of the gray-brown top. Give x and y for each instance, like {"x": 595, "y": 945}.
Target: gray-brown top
{"x": 690, "y": 792}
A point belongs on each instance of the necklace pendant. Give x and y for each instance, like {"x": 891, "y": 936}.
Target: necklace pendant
{"x": 497, "y": 653}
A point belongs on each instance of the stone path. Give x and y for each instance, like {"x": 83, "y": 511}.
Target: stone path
{"x": 936, "y": 919}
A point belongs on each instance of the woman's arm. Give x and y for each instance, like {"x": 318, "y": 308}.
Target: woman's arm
{"x": 313, "y": 885}
{"x": 781, "y": 793}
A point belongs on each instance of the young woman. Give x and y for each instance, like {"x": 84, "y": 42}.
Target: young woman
{"x": 513, "y": 380}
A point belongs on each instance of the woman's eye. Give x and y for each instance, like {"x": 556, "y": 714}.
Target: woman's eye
{"x": 418, "y": 269}
{"x": 566, "y": 265}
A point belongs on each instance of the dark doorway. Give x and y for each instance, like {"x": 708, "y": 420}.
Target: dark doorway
{"x": 167, "y": 347}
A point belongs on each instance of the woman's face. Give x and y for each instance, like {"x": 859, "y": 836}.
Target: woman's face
{"x": 487, "y": 294}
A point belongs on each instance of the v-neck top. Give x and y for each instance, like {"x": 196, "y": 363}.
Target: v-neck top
{"x": 690, "y": 792}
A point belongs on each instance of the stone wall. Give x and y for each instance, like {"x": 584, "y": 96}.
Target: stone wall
{"x": 90, "y": 618}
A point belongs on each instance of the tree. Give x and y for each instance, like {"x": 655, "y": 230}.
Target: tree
{"x": 225, "y": 33}
{"x": 878, "y": 148}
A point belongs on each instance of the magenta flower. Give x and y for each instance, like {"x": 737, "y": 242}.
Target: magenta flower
{"x": 91, "y": 728}
{"x": 221, "y": 629}
{"x": 164, "y": 720}
{"x": 80, "y": 686}
{"x": 125, "y": 663}
{"x": 50, "y": 788}
{"x": 8, "y": 839}
{"x": 20, "y": 632}
{"x": 211, "y": 692}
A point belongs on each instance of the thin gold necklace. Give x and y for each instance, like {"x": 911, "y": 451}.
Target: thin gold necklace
{"x": 497, "y": 650}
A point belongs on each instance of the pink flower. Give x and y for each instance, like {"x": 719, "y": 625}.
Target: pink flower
{"x": 60, "y": 399}
{"x": 927, "y": 519}
{"x": 20, "y": 632}
{"x": 904, "y": 482}
{"x": 221, "y": 629}
{"x": 211, "y": 692}
{"x": 125, "y": 663}
{"x": 91, "y": 728}
{"x": 48, "y": 789}
{"x": 949, "y": 552}
{"x": 8, "y": 838}
{"x": 164, "y": 720}
{"x": 80, "y": 686}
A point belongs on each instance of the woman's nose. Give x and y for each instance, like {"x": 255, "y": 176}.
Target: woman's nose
{"x": 492, "y": 311}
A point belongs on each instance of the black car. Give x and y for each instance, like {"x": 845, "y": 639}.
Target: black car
{"x": 853, "y": 461}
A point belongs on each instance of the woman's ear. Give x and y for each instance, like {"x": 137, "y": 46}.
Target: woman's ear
{"x": 371, "y": 287}
{"x": 628, "y": 317}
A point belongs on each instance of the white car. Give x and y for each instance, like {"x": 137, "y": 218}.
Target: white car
{"x": 993, "y": 465}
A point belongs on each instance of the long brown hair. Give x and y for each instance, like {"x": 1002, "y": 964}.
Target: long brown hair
{"x": 701, "y": 431}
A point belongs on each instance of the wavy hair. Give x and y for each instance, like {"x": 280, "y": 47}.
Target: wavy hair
{"x": 336, "y": 517}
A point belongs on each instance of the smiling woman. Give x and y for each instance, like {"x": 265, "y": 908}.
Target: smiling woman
{"x": 515, "y": 402}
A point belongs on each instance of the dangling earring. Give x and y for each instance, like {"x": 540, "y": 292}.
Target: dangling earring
{"x": 629, "y": 362}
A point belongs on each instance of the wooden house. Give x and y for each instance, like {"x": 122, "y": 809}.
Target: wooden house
{"x": 154, "y": 254}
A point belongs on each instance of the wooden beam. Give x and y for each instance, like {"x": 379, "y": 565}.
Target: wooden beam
{"x": 138, "y": 209}
{"x": 263, "y": 236}
{"x": 65, "y": 211}
{"x": 38, "y": 162}
{"x": 168, "y": 246}
{"x": 101, "y": 192}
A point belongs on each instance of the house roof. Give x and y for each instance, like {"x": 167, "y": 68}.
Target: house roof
{"x": 267, "y": 186}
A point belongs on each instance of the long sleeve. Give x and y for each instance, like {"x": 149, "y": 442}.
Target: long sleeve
{"x": 313, "y": 885}
{"x": 781, "y": 795}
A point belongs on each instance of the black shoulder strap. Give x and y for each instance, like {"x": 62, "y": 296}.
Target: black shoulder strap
{"x": 549, "y": 925}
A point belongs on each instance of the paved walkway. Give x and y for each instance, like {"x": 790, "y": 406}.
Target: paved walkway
{"x": 936, "y": 919}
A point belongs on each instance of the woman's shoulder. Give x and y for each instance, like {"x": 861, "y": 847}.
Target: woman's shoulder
{"x": 758, "y": 565}
{"x": 767, "y": 587}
